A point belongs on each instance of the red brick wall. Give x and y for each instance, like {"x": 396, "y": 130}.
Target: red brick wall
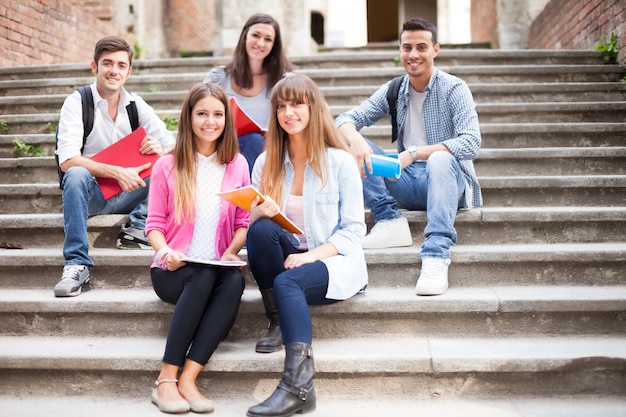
{"x": 566, "y": 24}
{"x": 484, "y": 22}
{"x": 189, "y": 26}
{"x": 48, "y": 32}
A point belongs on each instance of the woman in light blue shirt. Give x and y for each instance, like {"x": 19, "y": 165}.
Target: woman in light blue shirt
{"x": 307, "y": 173}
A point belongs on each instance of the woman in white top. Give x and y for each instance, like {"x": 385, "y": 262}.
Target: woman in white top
{"x": 307, "y": 173}
{"x": 258, "y": 63}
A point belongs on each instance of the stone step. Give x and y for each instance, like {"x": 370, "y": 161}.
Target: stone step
{"x": 494, "y": 135}
{"x": 416, "y": 367}
{"x": 531, "y": 310}
{"x": 338, "y": 76}
{"x": 362, "y": 58}
{"x": 548, "y": 112}
{"x": 120, "y": 405}
{"x": 353, "y": 95}
{"x": 498, "y": 264}
{"x": 490, "y": 162}
{"x": 552, "y": 112}
{"x": 498, "y": 191}
{"x": 476, "y": 226}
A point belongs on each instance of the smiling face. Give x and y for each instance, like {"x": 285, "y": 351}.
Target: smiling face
{"x": 112, "y": 70}
{"x": 260, "y": 40}
{"x": 417, "y": 53}
{"x": 208, "y": 118}
{"x": 293, "y": 116}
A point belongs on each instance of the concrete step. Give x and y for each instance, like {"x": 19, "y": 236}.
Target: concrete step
{"x": 555, "y": 112}
{"x": 417, "y": 367}
{"x": 472, "y": 265}
{"x": 363, "y": 58}
{"x": 477, "y": 226}
{"x": 490, "y": 162}
{"x": 353, "y": 95}
{"x": 532, "y": 310}
{"x": 338, "y": 76}
{"x": 548, "y": 112}
{"x": 498, "y": 191}
{"x": 494, "y": 135}
{"x": 120, "y": 405}
{"x": 580, "y": 190}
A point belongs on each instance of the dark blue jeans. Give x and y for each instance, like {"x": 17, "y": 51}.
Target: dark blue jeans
{"x": 294, "y": 289}
{"x": 251, "y": 146}
{"x": 207, "y": 299}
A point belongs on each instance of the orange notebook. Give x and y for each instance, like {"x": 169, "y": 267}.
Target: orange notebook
{"x": 124, "y": 153}
{"x": 243, "y": 197}
{"x": 243, "y": 123}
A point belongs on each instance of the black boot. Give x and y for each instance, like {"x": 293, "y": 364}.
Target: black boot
{"x": 273, "y": 339}
{"x": 295, "y": 392}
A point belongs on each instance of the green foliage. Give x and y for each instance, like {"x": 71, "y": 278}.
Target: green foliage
{"x": 170, "y": 122}
{"x": 4, "y": 127}
{"x": 50, "y": 127}
{"x": 22, "y": 148}
{"x": 608, "y": 48}
{"x": 152, "y": 89}
{"x": 137, "y": 51}
{"x": 397, "y": 61}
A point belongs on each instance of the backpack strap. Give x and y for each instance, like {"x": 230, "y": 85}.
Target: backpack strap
{"x": 392, "y": 101}
{"x": 86, "y": 99}
{"x": 133, "y": 115}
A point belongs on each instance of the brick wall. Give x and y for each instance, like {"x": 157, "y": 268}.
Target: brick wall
{"x": 564, "y": 24}
{"x": 484, "y": 22}
{"x": 48, "y": 32}
{"x": 189, "y": 26}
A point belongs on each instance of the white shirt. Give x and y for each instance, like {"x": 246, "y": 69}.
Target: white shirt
{"x": 208, "y": 183}
{"x": 414, "y": 131}
{"x": 105, "y": 130}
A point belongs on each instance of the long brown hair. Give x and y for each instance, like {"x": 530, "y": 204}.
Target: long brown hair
{"x": 275, "y": 63}
{"x": 185, "y": 159}
{"x": 321, "y": 131}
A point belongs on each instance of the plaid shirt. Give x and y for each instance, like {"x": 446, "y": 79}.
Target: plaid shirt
{"x": 449, "y": 118}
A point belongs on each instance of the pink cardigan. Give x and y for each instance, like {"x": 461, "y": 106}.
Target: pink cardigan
{"x": 161, "y": 206}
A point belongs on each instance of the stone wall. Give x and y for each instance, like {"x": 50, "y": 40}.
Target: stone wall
{"x": 564, "y": 24}
{"x": 48, "y": 32}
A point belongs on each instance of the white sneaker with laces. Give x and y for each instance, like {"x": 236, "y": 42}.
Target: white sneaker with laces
{"x": 388, "y": 234}
{"x": 433, "y": 279}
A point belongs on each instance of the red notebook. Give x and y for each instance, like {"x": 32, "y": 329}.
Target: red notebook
{"x": 243, "y": 123}
{"x": 124, "y": 153}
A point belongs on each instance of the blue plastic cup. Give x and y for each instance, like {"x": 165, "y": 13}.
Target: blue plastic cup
{"x": 385, "y": 166}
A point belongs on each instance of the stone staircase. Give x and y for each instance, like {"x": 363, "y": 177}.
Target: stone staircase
{"x": 534, "y": 323}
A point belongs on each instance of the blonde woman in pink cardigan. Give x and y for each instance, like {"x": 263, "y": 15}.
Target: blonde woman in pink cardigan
{"x": 186, "y": 219}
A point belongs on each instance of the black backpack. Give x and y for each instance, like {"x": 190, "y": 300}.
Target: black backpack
{"x": 392, "y": 101}
{"x": 86, "y": 98}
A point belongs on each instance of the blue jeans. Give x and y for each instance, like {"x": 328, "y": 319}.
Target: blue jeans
{"x": 294, "y": 289}
{"x": 251, "y": 146}
{"x": 82, "y": 198}
{"x": 436, "y": 185}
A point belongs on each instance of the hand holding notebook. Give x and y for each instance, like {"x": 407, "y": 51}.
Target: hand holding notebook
{"x": 124, "y": 153}
{"x": 243, "y": 198}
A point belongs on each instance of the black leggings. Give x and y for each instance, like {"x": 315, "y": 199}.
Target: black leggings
{"x": 207, "y": 299}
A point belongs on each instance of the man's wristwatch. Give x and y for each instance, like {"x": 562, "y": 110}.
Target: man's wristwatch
{"x": 413, "y": 151}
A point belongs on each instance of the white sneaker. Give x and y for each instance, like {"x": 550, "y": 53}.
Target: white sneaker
{"x": 388, "y": 234}
{"x": 433, "y": 278}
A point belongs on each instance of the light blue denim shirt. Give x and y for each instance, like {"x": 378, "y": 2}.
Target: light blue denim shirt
{"x": 449, "y": 117}
{"x": 332, "y": 214}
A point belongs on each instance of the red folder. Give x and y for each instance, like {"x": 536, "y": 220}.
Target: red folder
{"x": 124, "y": 153}
{"x": 243, "y": 198}
{"x": 243, "y": 123}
